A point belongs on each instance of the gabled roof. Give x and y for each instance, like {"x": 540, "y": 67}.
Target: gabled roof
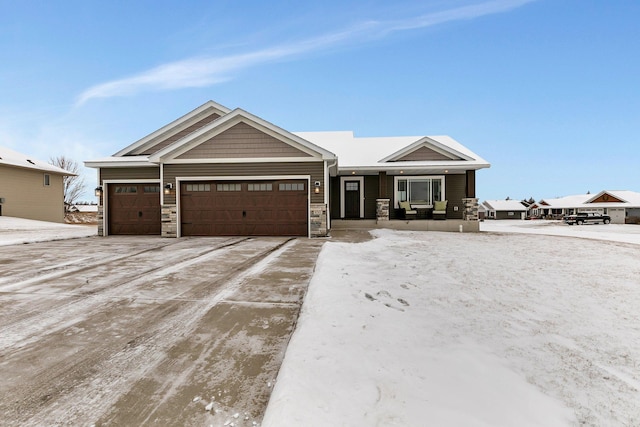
{"x": 388, "y": 153}
{"x": 504, "y": 205}
{"x": 176, "y": 129}
{"x": 566, "y": 201}
{"x": 12, "y": 158}
{"x": 229, "y": 120}
{"x": 616, "y": 196}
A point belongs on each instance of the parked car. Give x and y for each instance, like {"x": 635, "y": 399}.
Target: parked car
{"x": 587, "y": 218}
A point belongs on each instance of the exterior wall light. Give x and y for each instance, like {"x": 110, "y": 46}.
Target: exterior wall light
{"x": 98, "y": 191}
{"x": 167, "y": 188}
{"x": 317, "y": 187}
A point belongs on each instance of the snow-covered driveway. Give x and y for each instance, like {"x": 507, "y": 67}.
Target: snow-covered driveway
{"x": 132, "y": 331}
{"x": 484, "y": 329}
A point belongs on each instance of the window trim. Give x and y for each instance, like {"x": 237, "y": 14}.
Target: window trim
{"x": 418, "y": 177}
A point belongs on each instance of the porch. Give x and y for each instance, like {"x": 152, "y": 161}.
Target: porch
{"x": 450, "y": 225}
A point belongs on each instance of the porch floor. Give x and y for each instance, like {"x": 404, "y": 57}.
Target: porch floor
{"x": 453, "y": 225}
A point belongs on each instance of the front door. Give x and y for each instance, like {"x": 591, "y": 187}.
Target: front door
{"x": 352, "y": 199}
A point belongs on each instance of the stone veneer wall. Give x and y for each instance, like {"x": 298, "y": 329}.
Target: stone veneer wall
{"x": 100, "y": 219}
{"x": 470, "y": 212}
{"x": 169, "y": 219}
{"x": 382, "y": 209}
{"x": 318, "y": 219}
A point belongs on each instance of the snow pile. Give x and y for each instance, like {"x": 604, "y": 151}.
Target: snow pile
{"x": 18, "y": 230}
{"x": 453, "y": 329}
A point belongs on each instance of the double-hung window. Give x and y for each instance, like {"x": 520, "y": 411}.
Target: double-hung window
{"x": 419, "y": 189}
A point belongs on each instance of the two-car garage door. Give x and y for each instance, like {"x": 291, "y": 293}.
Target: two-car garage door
{"x": 244, "y": 208}
{"x": 214, "y": 208}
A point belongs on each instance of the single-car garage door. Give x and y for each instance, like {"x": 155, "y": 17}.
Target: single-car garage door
{"x": 134, "y": 209}
{"x": 241, "y": 208}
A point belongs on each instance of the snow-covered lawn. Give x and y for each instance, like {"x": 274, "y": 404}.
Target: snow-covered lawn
{"x": 484, "y": 329}
{"x": 17, "y": 230}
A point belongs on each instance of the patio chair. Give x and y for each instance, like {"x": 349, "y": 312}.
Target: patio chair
{"x": 406, "y": 211}
{"x": 440, "y": 209}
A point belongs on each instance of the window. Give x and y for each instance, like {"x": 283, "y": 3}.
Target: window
{"x": 47, "y": 180}
{"x": 123, "y": 189}
{"x": 260, "y": 187}
{"x": 198, "y": 187}
{"x": 419, "y": 189}
{"x": 151, "y": 188}
{"x": 351, "y": 186}
{"x": 229, "y": 187}
{"x": 295, "y": 186}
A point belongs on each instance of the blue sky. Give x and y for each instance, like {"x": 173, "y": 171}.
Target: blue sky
{"x": 548, "y": 91}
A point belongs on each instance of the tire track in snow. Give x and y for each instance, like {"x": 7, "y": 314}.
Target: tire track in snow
{"x": 66, "y": 312}
{"x": 92, "y": 381}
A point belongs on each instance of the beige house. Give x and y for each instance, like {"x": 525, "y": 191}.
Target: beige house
{"x": 30, "y": 188}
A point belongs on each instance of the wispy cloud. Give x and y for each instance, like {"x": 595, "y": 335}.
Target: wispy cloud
{"x": 207, "y": 70}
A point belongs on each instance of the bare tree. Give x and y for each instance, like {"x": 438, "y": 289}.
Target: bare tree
{"x": 73, "y": 184}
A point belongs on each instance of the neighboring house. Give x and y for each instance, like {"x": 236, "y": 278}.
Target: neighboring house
{"x": 505, "y": 209}
{"x": 30, "y": 188}
{"x": 216, "y": 171}
{"x": 482, "y": 212}
{"x": 84, "y": 208}
{"x": 623, "y": 206}
{"x": 557, "y": 207}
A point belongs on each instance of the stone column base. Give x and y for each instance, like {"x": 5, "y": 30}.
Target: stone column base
{"x": 470, "y": 212}
{"x": 169, "y": 219}
{"x": 318, "y": 220}
{"x": 382, "y": 209}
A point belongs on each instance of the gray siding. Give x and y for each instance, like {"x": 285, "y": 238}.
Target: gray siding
{"x": 242, "y": 141}
{"x": 130, "y": 173}
{"x": 171, "y": 136}
{"x": 455, "y": 191}
{"x": 371, "y": 189}
{"x": 314, "y": 169}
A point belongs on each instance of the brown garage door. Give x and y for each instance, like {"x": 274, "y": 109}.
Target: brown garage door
{"x": 241, "y": 208}
{"x": 134, "y": 209}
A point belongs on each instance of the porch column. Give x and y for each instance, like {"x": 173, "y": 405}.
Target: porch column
{"x": 470, "y": 182}
{"x": 382, "y": 185}
{"x": 470, "y": 212}
{"x": 382, "y": 209}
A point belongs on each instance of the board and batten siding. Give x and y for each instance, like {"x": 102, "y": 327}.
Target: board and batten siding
{"x": 422, "y": 154}
{"x": 241, "y": 170}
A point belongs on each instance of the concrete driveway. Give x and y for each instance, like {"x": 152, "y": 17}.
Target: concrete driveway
{"x": 140, "y": 331}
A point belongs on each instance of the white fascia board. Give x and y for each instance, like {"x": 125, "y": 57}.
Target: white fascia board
{"x": 119, "y": 162}
{"x": 243, "y": 160}
{"x": 174, "y": 124}
{"x": 433, "y": 144}
{"x": 226, "y": 122}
